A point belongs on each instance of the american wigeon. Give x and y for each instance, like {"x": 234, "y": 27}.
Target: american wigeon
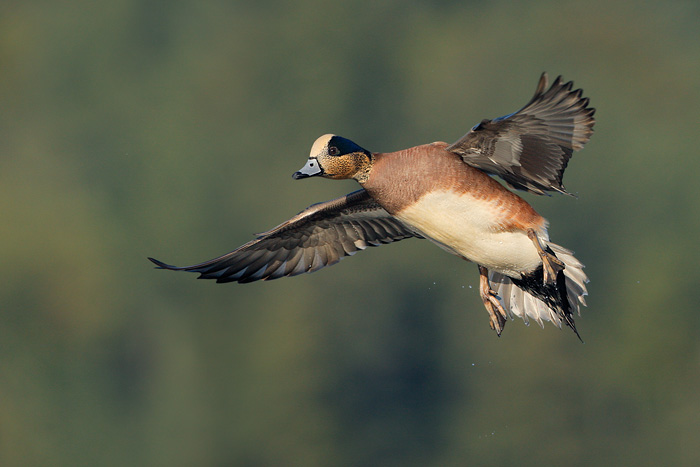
{"x": 443, "y": 192}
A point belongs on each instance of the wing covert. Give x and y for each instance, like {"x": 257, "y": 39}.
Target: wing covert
{"x": 319, "y": 236}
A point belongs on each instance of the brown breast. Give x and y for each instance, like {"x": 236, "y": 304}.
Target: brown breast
{"x": 399, "y": 179}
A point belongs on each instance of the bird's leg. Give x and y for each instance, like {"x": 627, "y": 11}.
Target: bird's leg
{"x": 491, "y": 302}
{"x": 550, "y": 263}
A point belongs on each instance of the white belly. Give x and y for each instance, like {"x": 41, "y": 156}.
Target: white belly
{"x": 469, "y": 228}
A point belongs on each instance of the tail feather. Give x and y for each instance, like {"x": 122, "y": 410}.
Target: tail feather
{"x": 529, "y": 299}
{"x": 576, "y": 279}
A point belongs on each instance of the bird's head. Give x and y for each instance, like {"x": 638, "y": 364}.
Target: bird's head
{"x": 336, "y": 157}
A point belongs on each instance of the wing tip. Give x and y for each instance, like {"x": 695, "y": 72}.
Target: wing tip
{"x": 162, "y": 265}
{"x": 542, "y": 84}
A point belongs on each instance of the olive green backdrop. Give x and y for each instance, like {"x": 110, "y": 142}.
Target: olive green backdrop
{"x": 171, "y": 129}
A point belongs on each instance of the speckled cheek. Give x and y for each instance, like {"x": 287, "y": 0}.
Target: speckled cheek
{"x": 344, "y": 166}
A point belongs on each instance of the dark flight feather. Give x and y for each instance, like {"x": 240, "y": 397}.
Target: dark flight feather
{"x": 319, "y": 236}
{"x": 531, "y": 148}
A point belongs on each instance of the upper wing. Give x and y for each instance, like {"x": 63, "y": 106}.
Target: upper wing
{"x": 319, "y": 236}
{"x": 530, "y": 148}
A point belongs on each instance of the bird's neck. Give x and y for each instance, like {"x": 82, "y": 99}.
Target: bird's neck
{"x": 365, "y": 168}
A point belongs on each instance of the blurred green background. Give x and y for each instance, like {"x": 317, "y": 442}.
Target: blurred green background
{"x": 171, "y": 129}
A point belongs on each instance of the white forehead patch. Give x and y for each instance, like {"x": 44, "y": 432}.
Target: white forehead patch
{"x": 319, "y": 144}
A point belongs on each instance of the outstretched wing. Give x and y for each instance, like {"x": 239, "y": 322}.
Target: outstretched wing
{"x": 530, "y": 148}
{"x": 319, "y": 236}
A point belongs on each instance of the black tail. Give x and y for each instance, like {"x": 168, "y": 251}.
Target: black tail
{"x": 528, "y": 298}
{"x": 553, "y": 294}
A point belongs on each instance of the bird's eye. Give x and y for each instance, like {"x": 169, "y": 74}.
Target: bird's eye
{"x": 333, "y": 151}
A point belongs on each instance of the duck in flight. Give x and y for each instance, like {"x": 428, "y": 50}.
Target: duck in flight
{"x": 444, "y": 193}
